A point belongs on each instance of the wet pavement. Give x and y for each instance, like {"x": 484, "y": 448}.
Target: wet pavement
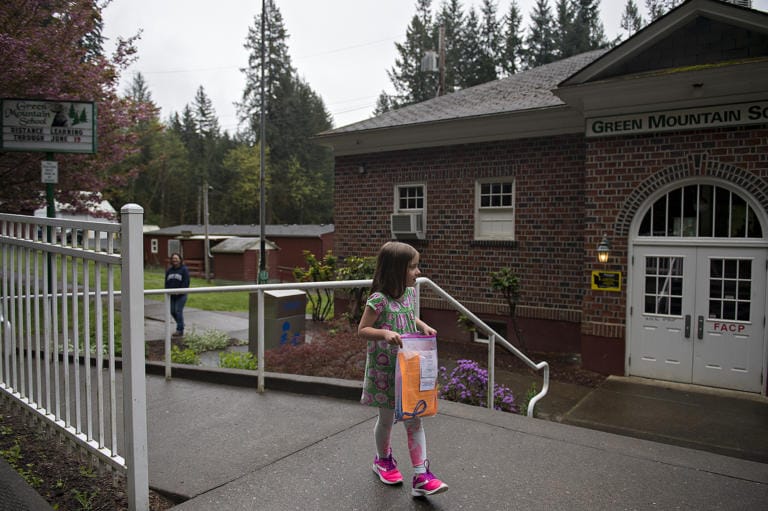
{"x": 629, "y": 444}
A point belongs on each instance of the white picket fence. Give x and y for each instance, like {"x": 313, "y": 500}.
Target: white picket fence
{"x": 58, "y": 310}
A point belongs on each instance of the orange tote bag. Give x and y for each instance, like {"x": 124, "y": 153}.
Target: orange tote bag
{"x": 416, "y": 377}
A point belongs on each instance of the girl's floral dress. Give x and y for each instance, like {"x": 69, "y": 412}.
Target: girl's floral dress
{"x": 399, "y": 316}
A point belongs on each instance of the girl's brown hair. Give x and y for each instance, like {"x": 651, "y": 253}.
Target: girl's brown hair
{"x": 392, "y": 268}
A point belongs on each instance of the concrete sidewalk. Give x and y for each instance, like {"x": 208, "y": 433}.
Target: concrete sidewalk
{"x": 216, "y": 446}
{"x": 224, "y": 447}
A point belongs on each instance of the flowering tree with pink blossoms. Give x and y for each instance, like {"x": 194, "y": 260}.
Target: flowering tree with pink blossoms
{"x": 51, "y": 49}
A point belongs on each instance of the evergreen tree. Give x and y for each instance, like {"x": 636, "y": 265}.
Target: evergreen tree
{"x": 512, "y": 50}
{"x": 491, "y": 42}
{"x": 540, "y": 45}
{"x": 451, "y": 18}
{"x": 383, "y": 104}
{"x": 205, "y": 115}
{"x": 631, "y": 21}
{"x": 474, "y": 66}
{"x": 138, "y": 90}
{"x": 564, "y": 23}
{"x": 587, "y": 32}
{"x": 277, "y": 64}
{"x": 293, "y": 114}
{"x": 411, "y": 84}
{"x": 658, "y": 8}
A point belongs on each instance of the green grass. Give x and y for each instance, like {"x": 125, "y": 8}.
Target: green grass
{"x": 154, "y": 278}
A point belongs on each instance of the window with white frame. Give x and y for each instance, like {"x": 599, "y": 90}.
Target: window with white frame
{"x": 409, "y": 212}
{"x": 409, "y": 198}
{"x": 495, "y": 209}
{"x": 153, "y": 245}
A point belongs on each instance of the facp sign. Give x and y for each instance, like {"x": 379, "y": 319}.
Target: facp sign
{"x": 48, "y": 126}
{"x": 733, "y": 328}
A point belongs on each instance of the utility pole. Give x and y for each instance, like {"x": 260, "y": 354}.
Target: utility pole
{"x": 207, "y": 247}
{"x": 441, "y": 60}
{"x": 263, "y": 275}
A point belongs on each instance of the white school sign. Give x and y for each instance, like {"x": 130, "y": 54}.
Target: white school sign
{"x": 671, "y": 120}
{"x": 48, "y": 126}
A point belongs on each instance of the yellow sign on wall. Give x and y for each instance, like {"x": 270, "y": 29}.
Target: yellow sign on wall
{"x": 606, "y": 280}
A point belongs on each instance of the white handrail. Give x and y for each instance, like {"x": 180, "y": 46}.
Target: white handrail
{"x": 342, "y": 284}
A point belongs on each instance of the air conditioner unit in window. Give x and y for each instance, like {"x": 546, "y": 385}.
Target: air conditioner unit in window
{"x": 407, "y": 226}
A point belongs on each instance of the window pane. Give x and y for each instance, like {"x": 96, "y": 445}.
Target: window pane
{"x": 729, "y": 289}
{"x": 411, "y": 197}
{"x": 660, "y": 217}
{"x": 650, "y": 304}
{"x": 738, "y": 216}
{"x": 722, "y": 212}
{"x": 745, "y": 291}
{"x": 690, "y": 209}
{"x": 714, "y": 309}
{"x": 753, "y": 225}
{"x": 496, "y": 195}
{"x": 716, "y": 268}
{"x": 677, "y": 286}
{"x": 715, "y": 289}
{"x": 676, "y": 306}
{"x": 705, "y": 210}
{"x": 645, "y": 225}
{"x": 674, "y": 221}
{"x": 745, "y": 269}
{"x": 742, "y": 311}
{"x": 730, "y": 268}
{"x": 729, "y": 309}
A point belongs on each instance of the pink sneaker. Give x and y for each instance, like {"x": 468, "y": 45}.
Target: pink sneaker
{"x": 427, "y": 484}
{"x": 386, "y": 469}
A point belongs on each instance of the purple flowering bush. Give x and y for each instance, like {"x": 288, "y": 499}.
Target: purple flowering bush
{"x": 468, "y": 383}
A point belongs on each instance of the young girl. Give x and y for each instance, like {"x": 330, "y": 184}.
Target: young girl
{"x": 388, "y": 313}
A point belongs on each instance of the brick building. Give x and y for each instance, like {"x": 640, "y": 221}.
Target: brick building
{"x": 658, "y": 146}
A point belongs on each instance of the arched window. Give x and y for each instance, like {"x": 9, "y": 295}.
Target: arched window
{"x": 702, "y": 211}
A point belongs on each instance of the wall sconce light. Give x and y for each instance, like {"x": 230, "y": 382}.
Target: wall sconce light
{"x": 361, "y": 169}
{"x": 604, "y": 249}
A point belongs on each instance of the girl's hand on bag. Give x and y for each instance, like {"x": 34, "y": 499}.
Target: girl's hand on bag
{"x": 393, "y": 338}
{"x": 428, "y": 330}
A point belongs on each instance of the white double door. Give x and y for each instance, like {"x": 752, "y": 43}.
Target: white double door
{"x": 698, "y": 315}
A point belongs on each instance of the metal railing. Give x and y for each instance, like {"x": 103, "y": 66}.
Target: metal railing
{"x": 260, "y": 289}
{"x": 57, "y": 350}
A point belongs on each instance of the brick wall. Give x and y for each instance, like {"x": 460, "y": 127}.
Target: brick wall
{"x": 548, "y": 252}
{"x": 621, "y": 173}
{"x": 569, "y": 191}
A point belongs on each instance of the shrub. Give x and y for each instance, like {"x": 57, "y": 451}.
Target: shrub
{"x": 209, "y": 340}
{"x": 337, "y": 353}
{"x": 187, "y": 356}
{"x": 238, "y": 360}
{"x": 468, "y": 383}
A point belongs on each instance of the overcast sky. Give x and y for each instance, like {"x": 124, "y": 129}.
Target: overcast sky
{"x": 342, "y": 48}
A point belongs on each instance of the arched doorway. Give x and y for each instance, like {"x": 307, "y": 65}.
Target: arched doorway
{"x": 697, "y": 287}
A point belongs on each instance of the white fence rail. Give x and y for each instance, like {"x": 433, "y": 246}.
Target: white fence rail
{"x": 493, "y": 336}
{"x": 57, "y": 350}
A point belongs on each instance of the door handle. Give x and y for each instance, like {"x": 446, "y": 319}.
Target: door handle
{"x": 700, "y": 333}
{"x": 687, "y": 326}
